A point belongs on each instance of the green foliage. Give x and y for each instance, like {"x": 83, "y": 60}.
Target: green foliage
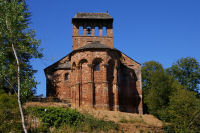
{"x": 157, "y": 87}
{"x": 171, "y": 94}
{"x": 14, "y": 29}
{"x": 148, "y": 69}
{"x": 187, "y": 72}
{"x": 184, "y": 111}
{"x": 9, "y": 114}
{"x": 62, "y": 117}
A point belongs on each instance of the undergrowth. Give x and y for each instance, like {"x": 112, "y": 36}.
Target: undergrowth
{"x": 68, "y": 120}
{"x": 132, "y": 120}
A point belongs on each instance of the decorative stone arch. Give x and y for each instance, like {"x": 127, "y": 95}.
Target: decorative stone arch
{"x": 97, "y": 78}
{"x": 81, "y": 62}
{"x": 83, "y": 79}
{"x": 97, "y": 61}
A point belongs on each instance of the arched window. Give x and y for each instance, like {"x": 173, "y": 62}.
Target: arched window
{"x": 66, "y": 76}
{"x": 89, "y": 30}
{"x": 97, "y": 66}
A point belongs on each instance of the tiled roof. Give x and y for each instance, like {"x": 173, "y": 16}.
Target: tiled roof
{"x": 82, "y": 15}
{"x": 66, "y": 65}
{"x": 93, "y": 45}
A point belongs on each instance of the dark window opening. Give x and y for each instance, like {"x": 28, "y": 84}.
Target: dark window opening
{"x": 89, "y": 31}
{"x": 97, "y": 67}
{"x": 66, "y": 76}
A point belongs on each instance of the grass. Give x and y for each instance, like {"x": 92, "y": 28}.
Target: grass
{"x": 131, "y": 120}
{"x": 60, "y": 119}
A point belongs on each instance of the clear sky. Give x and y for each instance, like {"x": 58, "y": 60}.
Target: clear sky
{"x": 160, "y": 30}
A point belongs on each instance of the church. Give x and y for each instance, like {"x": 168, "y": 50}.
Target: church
{"x": 95, "y": 74}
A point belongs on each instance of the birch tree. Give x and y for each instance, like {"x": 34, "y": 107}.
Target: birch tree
{"x": 18, "y": 47}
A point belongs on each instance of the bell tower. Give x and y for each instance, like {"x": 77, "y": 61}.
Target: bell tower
{"x": 92, "y": 27}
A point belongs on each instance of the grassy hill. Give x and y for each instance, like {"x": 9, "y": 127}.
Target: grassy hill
{"x": 91, "y": 120}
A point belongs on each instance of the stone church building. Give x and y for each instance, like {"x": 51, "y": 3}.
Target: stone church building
{"x": 95, "y": 74}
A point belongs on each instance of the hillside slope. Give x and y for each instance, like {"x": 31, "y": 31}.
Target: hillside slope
{"x": 129, "y": 123}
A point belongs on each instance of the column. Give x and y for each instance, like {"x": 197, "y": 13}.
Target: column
{"x": 116, "y": 90}
{"x": 109, "y": 30}
{"x": 77, "y": 91}
{"x": 100, "y": 31}
{"x": 105, "y": 88}
{"x": 91, "y": 86}
{"x": 84, "y": 31}
{"x": 92, "y": 27}
{"x": 75, "y": 30}
{"x": 139, "y": 88}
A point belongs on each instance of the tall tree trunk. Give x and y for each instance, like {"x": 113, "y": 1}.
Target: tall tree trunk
{"x": 19, "y": 89}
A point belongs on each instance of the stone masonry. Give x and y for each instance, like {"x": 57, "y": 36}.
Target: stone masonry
{"x": 94, "y": 74}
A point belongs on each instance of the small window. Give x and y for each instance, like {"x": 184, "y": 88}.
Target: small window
{"x": 66, "y": 76}
{"x": 89, "y": 31}
{"x": 97, "y": 67}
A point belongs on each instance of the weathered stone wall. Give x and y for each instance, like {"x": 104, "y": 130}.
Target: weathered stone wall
{"x": 130, "y": 86}
{"x": 93, "y": 85}
{"x": 81, "y": 40}
{"x": 115, "y": 85}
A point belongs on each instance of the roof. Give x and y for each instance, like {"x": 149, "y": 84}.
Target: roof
{"x": 59, "y": 66}
{"x": 66, "y": 65}
{"x": 94, "y": 45}
{"x": 83, "y": 15}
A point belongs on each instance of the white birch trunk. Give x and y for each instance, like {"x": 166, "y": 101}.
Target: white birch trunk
{"x": 19, "y": 89}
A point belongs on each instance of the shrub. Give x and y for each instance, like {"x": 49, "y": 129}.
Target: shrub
{"x": 66, "y": 117}
{"x": 9, "y": 114}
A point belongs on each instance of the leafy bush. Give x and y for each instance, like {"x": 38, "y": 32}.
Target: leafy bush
{"x": 184, "y": 111}
{"x": 65, "y": 117}
{"x": 9, "y": 114}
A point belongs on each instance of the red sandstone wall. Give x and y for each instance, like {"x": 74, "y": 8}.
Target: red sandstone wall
{"x": 80, "y": 41}
{"x": 137, "y": 93}
{"x": 99, "y": 89}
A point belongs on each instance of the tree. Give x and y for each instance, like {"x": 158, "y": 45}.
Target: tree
{"x": 187, "y": 72}
{"x": 166, "y": 98}
{"x": 158, "y": 85}
{"x": 184, "y": 111}
{"x": 148, "y": 69}
{"x": 18, "y": 47}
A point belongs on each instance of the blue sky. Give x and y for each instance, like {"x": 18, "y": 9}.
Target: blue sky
{"x": 160, "y": 30}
